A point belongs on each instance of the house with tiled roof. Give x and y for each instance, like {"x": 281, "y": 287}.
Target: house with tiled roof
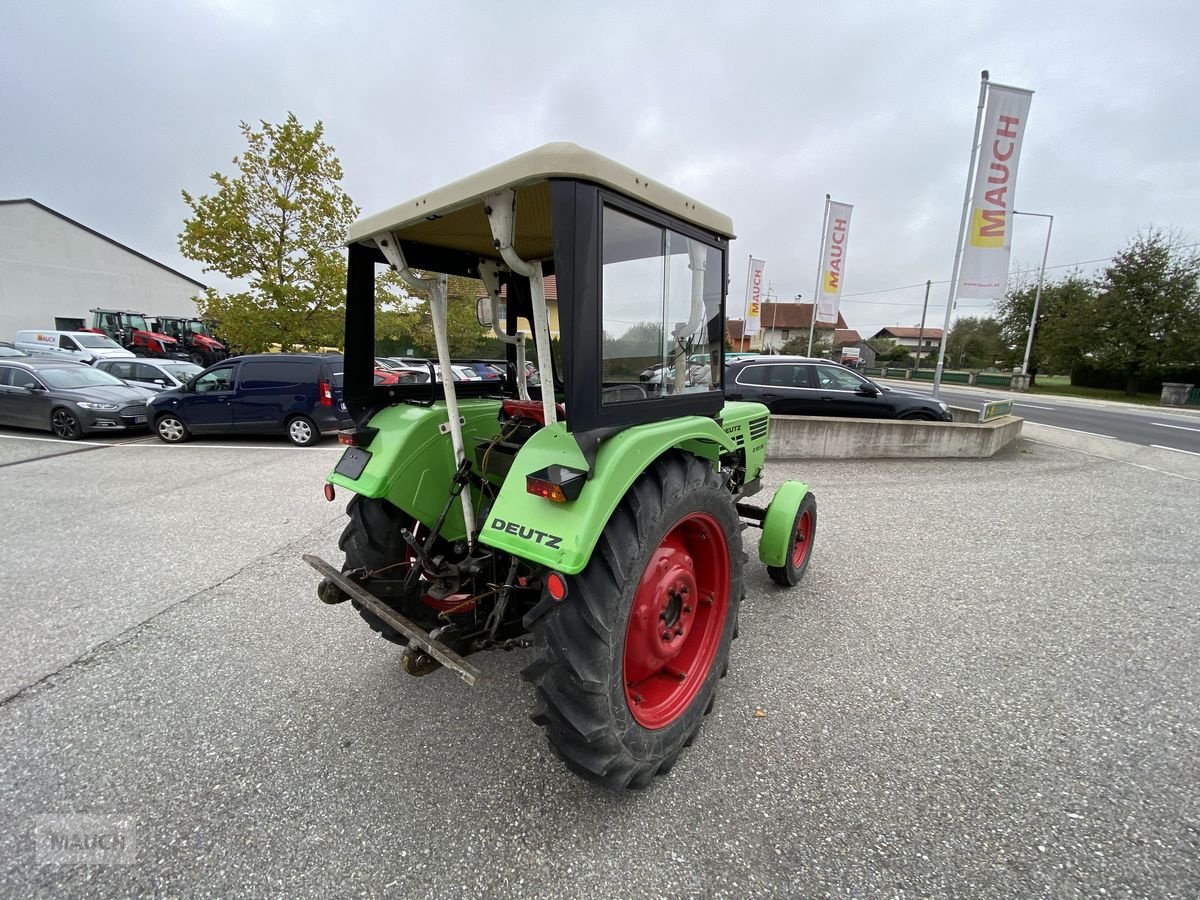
{"x": 926, "y": 338}
{"x": 779, "y": 323}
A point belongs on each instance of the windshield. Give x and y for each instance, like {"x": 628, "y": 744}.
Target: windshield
{"x": 138, "y": 323}
{"x": 181, "y": 370}
{"x": 68, "y": 378}
{"x": 198, "y": 327}
{"x": 97, "y": 341}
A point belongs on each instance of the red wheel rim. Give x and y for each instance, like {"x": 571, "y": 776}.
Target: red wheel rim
{"x": 803, "y": 545}
{"x": 676, "y": 621}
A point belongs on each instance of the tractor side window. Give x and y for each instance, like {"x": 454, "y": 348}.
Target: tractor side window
{"x": 661, "y": 300}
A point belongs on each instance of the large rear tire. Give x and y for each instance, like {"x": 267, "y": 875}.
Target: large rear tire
{"x": 628, "y": 663}
{"x": 372, "y": 541}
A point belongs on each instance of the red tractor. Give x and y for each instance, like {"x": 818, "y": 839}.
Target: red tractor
{"x": 130, "y": 330}
{"x": 195, "y": 337}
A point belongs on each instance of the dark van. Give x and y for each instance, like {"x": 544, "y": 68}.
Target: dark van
{"x": 296, "y": 394}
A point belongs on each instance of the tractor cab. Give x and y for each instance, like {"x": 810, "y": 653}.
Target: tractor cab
{"x": 639, "y": 271}
{"x": 595, "y": 514}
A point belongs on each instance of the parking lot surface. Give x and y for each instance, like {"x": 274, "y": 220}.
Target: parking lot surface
{"x": 986, "y": 685}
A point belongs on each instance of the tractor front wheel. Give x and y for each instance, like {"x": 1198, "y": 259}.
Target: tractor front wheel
{"x": 629, "y": 662}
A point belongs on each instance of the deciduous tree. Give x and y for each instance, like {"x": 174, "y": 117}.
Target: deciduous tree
{"x": 275, "y": 227}
{"x": 1148, "y": 307}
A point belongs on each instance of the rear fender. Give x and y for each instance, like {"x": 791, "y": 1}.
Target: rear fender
{"x": 779, "y": 522}
{"x": 412, "y": 460}
{"x": 563, "y": 535}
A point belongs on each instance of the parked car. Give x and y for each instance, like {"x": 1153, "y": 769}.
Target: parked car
{"x": 296, "y": 394}
{"x": 799, "y": 386}
{"x": 151, "y": 374}
{"x": 80, "y": 346}
{"x": 66, "y": 398}
{"x": 7, "y": 349}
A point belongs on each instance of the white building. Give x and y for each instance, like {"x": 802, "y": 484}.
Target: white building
{"x": 53, "y": 267}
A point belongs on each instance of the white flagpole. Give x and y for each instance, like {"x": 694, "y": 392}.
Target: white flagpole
{"x": 952, "y": 295}
{"x": 812, "y": 319}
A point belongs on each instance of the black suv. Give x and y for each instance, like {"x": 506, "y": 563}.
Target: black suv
{"x": 296, "y": 394}
{"x": 800, "y": 386}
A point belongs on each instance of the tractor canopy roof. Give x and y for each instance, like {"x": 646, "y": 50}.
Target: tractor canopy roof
{"x": 453, "y": 217}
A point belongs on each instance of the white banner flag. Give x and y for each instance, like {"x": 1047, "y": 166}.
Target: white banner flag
{"x": 984, "y": 272}
{"x": 833, "y": 262}
{"x": 754, "y": 295}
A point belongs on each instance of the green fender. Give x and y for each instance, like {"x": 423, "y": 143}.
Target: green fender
{"x": 563, "y": 535}
{"x": 412, "y": 459}
{"x": 780, "y": 521}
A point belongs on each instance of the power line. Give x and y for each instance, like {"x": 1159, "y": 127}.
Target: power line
{"x": 906, "y": 287}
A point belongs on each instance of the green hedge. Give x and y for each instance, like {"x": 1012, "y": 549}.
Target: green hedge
{"x": 1085, "y": 374}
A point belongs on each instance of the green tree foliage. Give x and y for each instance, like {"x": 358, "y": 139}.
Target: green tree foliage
{"x": 276, "y": 227}
{"x": 404, "y": 322}
{"x": 798, "y": 346}
{"x": 1147, "y": 309}
{"x": 975, "y": 343}
{"x": 1066, "y": 324}
{"x": 888, "y": 352}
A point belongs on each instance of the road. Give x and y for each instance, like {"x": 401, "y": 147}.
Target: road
{"x": 1147, "y": 426}
{"x": 1001, "y": 700}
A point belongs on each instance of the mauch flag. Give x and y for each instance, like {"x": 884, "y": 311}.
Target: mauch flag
{"x": 754, "y": 295}
{"x": 984, "y": 272}
{"x": 833, "y": 261}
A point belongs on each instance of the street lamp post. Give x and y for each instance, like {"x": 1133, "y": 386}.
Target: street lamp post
{"x": 1037, "y": 297}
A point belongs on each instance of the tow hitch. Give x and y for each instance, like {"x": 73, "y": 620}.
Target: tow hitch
{"x": 417, "y": 638}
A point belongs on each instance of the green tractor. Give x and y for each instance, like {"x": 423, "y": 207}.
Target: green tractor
{"x": 597, "y": 516}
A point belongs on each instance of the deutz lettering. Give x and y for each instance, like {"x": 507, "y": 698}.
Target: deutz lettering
{"x": 549, "y": 541}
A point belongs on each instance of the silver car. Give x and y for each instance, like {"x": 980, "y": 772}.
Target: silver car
{"x": 151, "y": 374}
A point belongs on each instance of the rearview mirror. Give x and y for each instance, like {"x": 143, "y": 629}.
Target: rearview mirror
{"x": 868, "y": 390}
{"x": 483, "y": 311}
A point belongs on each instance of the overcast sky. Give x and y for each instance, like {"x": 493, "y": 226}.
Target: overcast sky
{"x": 758, "y": 109}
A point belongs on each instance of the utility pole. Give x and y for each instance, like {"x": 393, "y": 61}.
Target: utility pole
{"x": 921, "y": 333}
{"x": 1037, "y": 297}
{"x": 774, "y": 311}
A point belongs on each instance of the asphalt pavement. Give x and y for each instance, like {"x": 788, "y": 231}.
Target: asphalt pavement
{"x": 986, "y": 686}
{"x": 1172, "y": 429}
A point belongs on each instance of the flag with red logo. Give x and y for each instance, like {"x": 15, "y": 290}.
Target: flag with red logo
{"x": 984, "y": 271}
{"x": 833, "y": 261}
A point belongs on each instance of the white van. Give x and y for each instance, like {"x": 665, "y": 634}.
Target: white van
{"x": 82, "y": 346}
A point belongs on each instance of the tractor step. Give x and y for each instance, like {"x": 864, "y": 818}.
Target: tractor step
{"x": 418, "y": 638}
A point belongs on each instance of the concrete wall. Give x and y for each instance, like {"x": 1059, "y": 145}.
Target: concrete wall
{"x": 828, "y": 437}
{"x": 50, "y": 267}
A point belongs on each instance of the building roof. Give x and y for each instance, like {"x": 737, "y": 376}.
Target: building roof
{"x": 549, "y": 285}
{"x": 844, "y": 336}
{"x": 733, "y": 329}
{"x": 104, "y": 237}
{"x": 792, "y": 315}
{"x": 896, "y": 331}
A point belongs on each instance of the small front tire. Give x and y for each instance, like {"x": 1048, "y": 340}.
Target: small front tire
{"x": 171, "y": 430}
{"x": 302, "y": 431}
{"x": 65, "y": 424}
{"x": 799, "y": 552}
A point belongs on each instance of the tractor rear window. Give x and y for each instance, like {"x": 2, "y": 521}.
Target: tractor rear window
{"x": 662, "y": 301}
